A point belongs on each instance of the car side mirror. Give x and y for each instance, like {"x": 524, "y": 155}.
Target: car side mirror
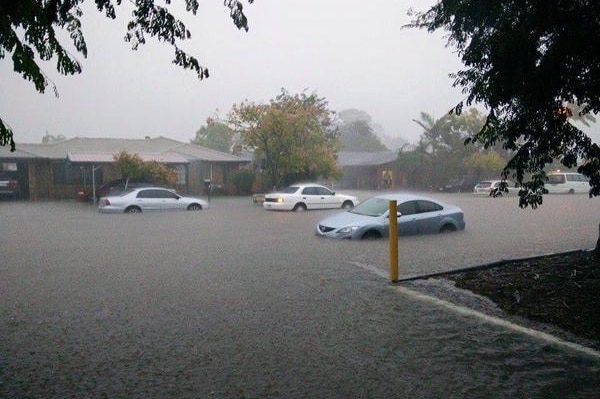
{"x": 333, "y": 193}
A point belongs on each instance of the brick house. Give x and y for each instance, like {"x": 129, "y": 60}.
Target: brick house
{"x": 59, "y": 170}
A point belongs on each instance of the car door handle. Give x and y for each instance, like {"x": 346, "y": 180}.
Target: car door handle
{"x": 303, "y": 197}
{"x": 322, "y": 197}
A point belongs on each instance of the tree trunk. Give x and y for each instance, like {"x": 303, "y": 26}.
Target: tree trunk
{"x": 598, "y": 242}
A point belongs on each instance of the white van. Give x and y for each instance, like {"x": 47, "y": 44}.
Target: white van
{"x": 567, "y": 183}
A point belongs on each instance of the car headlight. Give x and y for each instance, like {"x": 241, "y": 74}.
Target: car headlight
{"x": 279, "y": 200}
{"x": 348, "y": 229}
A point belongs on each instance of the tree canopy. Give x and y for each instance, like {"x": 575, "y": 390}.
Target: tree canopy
{"x": 525, "y": 62}
{"x": 29, "y": 34}
{"x": 132, "y": 166}
{"x": 216, "y": 135}
{"x": 358, "y": 136}
{"x": 292, "y": 136}
{"x": 440, "y": 152}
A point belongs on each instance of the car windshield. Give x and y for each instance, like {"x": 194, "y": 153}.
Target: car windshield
{"x": 484, "y": 184}
{"x": 289, "y": 190}
{"x": 372, "y": 207}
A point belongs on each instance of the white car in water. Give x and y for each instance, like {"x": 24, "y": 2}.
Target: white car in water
{"x": 300, "y": 197}
{"x": 487, "y": 186}
{"x": 567, "y": 183}
{"x": 149, "y": 199}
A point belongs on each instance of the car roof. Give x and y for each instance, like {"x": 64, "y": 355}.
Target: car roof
{"x": 402, "y": 197}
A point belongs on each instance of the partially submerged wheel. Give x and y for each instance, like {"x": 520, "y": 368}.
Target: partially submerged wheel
{"x": 133, "y": 209}
{"x": 371, "y": 235}
{"x": 194, "y": 207}
{"x": 571, "y": 191}
{"x": 299, "y": 207}
{"x": 347, "y": 205}
{"x": 448, "y": 228}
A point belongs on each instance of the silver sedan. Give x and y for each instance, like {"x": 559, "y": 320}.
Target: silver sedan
{"x": 149, "y": 199}
{"x": 416, "y": 215}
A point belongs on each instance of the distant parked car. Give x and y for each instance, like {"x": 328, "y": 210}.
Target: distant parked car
{"x": 416, "y": 215}
{"x": 8, "y": 186}
{"x": 149, "y": 199}
{"x": 567, "y": 183}
{"x": 301, "y": 197}
{"x": 486, "y": 187}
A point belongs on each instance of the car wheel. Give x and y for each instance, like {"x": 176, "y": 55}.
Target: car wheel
{"x": 133, "y": 209}
{"x": 194, "y": 207}
{"x": 299, "y": 207}
{"x": 347, "y": 205}
{"x": 571, "y": 191}
{"x": 448, "y": 228}
{"x": 371, "y": 235}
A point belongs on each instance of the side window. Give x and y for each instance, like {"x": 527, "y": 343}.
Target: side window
{"x": 169, "y": 194}
{"x": 428, "y": 206}
{"x": 309, "y": 191}
{"x": 572, "y": 178}
{"x": 556, "y": 179}
{"x": 323, "y": 191}
{"x": 407, "y": 208}
{"x": 145, "y": 194}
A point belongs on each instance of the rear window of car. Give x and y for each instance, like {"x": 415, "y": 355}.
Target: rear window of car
{"x": 428, "y": 206}
{"x": 290, "y": 190}
{"x": 484, "y": 184}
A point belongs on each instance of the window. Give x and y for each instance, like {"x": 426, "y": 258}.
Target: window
{"x": 309, "y": 191}
{"x": 556, "y": 179}
{"x": 152, "y": 193}
{"x": 181, "y": 177}
{"x": 407, "y": 208}
{"x": 323, "y": 191}
{"x": 428, "y": 206}
{"x": 64, "y": 173}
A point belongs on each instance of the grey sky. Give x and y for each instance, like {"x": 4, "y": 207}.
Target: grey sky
{"x": 352, "y": 52}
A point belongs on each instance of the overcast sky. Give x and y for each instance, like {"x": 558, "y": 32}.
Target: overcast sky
{"x": 352, "y": 52}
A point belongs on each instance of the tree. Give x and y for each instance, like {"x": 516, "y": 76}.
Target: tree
{"x": 132, "y": 166}
{"x": 30, "y": 29}
{"x": 525, "y": 62}
{"x": 216, "y": 135}
{"x": 485, "y": 163}
{"x": 358, "y": 136}
{"x": 292, "y": 136}
{"x": 441, "y": 145}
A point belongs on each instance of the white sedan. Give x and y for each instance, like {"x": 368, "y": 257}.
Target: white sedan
{"x": 486, "y": 187}
{"x": 149, "y": 199}
{"x": 301, "y": 197}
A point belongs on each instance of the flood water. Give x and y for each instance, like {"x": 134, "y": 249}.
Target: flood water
{"x": 238, "y": 302}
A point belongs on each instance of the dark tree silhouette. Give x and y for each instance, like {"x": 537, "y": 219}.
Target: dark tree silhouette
{"x": 28, "y": 34}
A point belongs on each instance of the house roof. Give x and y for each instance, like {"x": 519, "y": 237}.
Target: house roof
{"x": 366, "y": 158}
{"x": 108, "y": 157}
{"x": 80, "y": 149}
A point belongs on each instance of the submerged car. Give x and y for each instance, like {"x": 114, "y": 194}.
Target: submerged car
{"x": 301, "y": 197}
{"x": 486, "y": 187}
{"x": 567, "y": 183}
{"x": 149, "y": 199}
{"x": 370, "y": 219}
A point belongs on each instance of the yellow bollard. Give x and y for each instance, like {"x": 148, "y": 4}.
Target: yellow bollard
{"x": 393, "y": 237}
